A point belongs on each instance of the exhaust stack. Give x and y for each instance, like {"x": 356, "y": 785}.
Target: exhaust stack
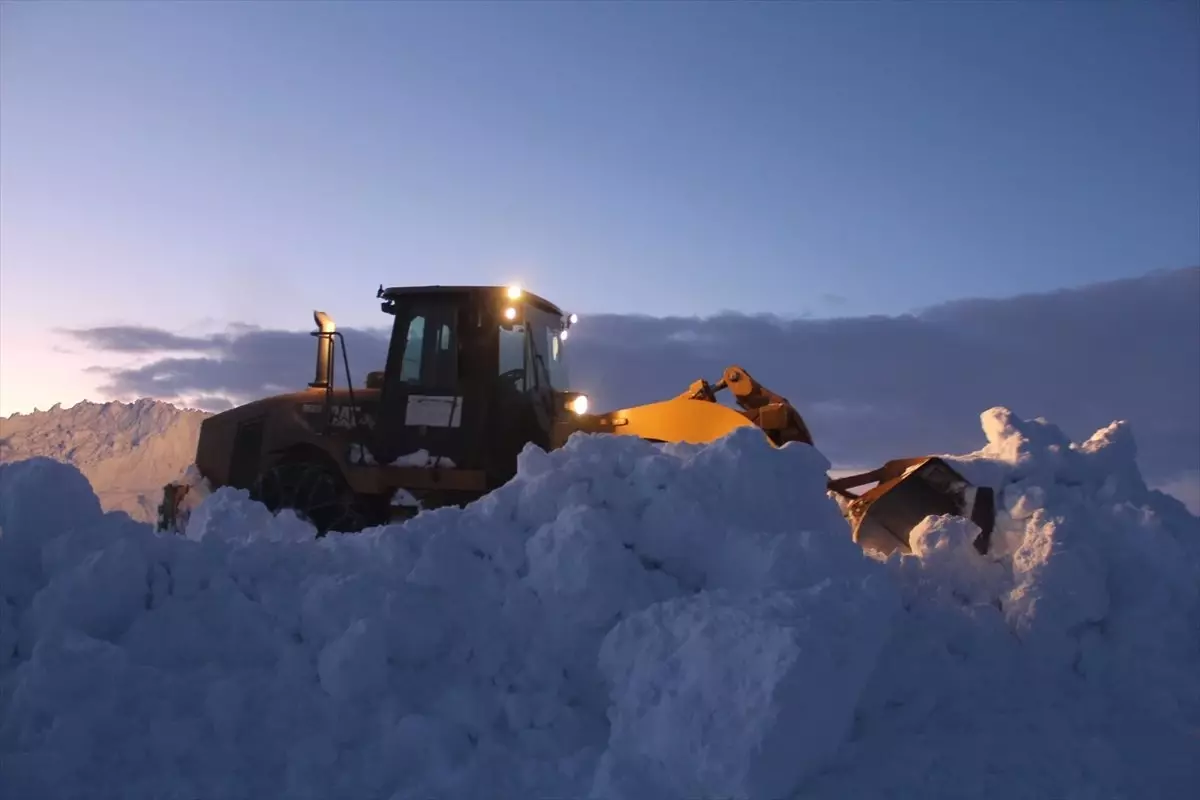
{"x": 323, "y": 379}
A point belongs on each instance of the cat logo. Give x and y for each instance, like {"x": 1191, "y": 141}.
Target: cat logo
{"x": 346, "y": 416}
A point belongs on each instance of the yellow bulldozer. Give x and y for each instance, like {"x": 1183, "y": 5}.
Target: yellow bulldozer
{"x": 475, "y": 373}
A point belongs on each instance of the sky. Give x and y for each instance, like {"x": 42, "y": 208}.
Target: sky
{"x": 194, "y": 166}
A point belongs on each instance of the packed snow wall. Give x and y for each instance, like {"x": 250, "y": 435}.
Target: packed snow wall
{"x": 622, "y": 620}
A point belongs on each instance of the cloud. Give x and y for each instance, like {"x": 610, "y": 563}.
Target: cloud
{"x": 241, "y": 364}
{"x": 1185, "y": 487}
{"x": 136, "y": 339}
{"x": 210, "y": 403}
{"x": 879, "y": 387}
{"x": 872, "y": 388}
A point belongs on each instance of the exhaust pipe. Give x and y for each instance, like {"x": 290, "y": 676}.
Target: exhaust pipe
{"x": 323, "y": 379}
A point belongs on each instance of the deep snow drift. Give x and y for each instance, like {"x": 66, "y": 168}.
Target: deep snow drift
{"x": 623, "y": 620}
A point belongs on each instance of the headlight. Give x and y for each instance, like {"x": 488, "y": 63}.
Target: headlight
{"x": 510, "y": 313}
{"x": 580, "y": 404}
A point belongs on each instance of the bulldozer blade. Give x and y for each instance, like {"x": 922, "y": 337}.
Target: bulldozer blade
{"x": 908, "y": 491}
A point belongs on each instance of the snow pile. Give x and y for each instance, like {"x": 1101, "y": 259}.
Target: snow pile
{"x": 1063, "y": 664}
{"x": 622, "y": 620}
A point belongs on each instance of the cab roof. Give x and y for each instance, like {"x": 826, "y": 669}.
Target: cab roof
{"x": 501, "y": 292}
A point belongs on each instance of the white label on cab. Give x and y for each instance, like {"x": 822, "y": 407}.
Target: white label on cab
{"x": 433, "y": 411}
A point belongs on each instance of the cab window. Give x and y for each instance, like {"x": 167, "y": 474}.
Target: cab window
{"x": 442, "y": 371}
{"x": 512, "y": 353}
{"x": 410, "y": 368}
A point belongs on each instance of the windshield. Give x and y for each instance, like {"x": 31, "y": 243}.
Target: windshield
{"x": 512, "y": 354}
{"x": 533, "y": 354}
{"x": 549, "y": 349}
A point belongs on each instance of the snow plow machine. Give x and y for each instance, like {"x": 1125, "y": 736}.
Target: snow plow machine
{"x": 472, "y": 375}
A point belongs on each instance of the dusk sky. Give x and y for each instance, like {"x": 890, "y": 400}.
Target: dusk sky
{"x": 191, "y": 166}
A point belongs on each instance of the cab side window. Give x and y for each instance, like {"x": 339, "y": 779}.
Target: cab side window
{"x": 442, "y": 369}
{"x": 410, "y": 367}
{"x": 424, "y": 351}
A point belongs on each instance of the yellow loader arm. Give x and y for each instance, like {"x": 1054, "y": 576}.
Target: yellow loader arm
{"x": 881, "y": 518}
{"x": 697, "y": 417}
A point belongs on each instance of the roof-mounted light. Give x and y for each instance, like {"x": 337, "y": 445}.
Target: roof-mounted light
{"x": 573, "y": 318}
{"x": 514, "y": 292}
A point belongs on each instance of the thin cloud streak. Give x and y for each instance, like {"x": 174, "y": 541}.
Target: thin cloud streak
{"x": 138, "y": 339}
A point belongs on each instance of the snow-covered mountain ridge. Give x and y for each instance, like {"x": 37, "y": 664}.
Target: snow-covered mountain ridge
{"x": 127, "y": 451}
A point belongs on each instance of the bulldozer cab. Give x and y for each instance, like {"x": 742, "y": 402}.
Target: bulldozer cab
{"x": 472, "y": 375}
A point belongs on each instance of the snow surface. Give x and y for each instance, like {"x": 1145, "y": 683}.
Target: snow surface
{"x": 622, "y": 620}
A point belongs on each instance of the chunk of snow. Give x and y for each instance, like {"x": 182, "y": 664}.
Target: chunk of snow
{"x": 403, "y": 497}
{"x": 621, "y": 620}
{"x": 422, "y": 458}
{"x": 358, "y": 454}
{"x": 724, "y": 694}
